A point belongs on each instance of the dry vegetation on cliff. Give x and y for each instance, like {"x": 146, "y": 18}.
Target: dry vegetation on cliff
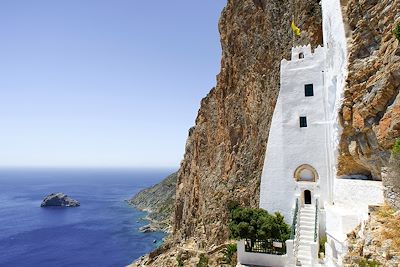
{"x": 378, "y": 243}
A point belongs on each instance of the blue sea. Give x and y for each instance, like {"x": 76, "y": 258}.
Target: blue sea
{"x": 103, "y": 231}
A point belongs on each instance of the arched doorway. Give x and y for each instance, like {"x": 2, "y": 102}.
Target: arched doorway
{"x": 307, "y": 197}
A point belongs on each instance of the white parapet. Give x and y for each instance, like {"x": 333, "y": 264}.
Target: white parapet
{"x": 262, "y": 259}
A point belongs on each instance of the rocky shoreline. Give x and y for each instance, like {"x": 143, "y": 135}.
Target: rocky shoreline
{"x": 158, "y": 202}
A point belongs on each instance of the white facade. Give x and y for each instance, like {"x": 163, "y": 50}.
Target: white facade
{"x": 290, "y": 146}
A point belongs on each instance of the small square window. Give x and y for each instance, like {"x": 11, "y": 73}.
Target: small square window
{"x": 303, "y": 122}
{"x": 309, "y": 89}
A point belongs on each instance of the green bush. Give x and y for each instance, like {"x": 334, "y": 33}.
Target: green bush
{"x": 257, "y": 224}
{"x": 229, "y": 252}
{"x": 368, "y": 263}
{"x": 180, "y": 261}
{"x": 396, "y": 31}
{"x": 232, "y": 205}
{"x": 396, "y": 147}
{"x": 203, "y": 261}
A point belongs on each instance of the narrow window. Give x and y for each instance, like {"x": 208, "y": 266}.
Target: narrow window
{"x": 309, "y": 89}
{"x": 301, "y": 55}
{"x": 303, "y": 122}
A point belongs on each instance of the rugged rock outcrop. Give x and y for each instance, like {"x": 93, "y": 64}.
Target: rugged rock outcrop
{"x": 371, "y": 110}
{"x": 158, "y": 201}
{"x": 59, "y": 200}
{"x": 377, "y": 242}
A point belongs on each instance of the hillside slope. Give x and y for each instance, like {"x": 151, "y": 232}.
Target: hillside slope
{"x": 159, "y": 201}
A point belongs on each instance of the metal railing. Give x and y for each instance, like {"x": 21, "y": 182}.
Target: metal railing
{"x": 294, "y": 223}
{"x": 269, "y": 246}
{"x": 316, "y": 221}
{"x": 296, "y": 230}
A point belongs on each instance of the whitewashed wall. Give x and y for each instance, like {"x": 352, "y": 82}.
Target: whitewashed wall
{"x": 290, "y": 146}
{"x": 336, "y": 62}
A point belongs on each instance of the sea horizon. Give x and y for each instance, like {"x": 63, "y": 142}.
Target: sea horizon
{"x": 103, "y": 231}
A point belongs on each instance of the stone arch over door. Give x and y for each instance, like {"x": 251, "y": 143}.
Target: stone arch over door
{"x": 306, "y": 173}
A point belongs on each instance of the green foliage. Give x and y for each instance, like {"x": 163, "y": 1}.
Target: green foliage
{"x": 396, "y": 147}
{"x": 180, "y": 261}
{"x": 396, "y": 31}
{"x": 253, "y": 224}
{"x": 203, "y": 261}
{"x": 232, "y": 205}
{"x": 368, "y": 263}
{"x": 229, "y": 252}
{"x": 322, "y": 242}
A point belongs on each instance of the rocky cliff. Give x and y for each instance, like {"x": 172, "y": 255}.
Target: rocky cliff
{"x": 159, "y": 202}
{"x": 371, "y": 110}
{"x": 378, "y": 242}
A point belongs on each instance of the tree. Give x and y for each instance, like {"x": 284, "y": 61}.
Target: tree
{"x": 257, "y": 224}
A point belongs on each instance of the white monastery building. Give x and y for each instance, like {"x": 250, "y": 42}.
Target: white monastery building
{"x": 299, "y": 175}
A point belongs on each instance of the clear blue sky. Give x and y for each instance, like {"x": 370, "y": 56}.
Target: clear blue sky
{"x": 103, "y": 83}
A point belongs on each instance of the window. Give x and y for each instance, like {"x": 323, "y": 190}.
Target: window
{"x": 301, "y": 55}
{"x": 309, "y": 90}
{"x": 303, "y": 122}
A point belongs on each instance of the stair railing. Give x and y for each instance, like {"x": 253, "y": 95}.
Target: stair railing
{"x": 316, "y": 221}
{"x": 294, "y": 223}
{"x": 296, "y": 229}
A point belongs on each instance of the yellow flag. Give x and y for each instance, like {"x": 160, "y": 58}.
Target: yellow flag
{"x": 295, "y": 29}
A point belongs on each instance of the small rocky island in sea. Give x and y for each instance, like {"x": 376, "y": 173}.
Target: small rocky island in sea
{"x": 59, "y": 200}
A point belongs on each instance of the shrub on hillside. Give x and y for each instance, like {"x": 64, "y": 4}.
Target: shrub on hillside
{"x": 229, "y": 254}
{"x": 396, "y": 31}
{"x": 203, "y": 261}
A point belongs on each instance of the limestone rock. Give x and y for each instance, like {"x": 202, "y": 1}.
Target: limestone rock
{"x": 374, "y": 242}
{"x": 59, "y": 200}
{"x": 371, "y": 109}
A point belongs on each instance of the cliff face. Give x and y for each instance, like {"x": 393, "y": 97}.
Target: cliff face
{"x": 225, "y": 149}
{"x": 370, "y": 113}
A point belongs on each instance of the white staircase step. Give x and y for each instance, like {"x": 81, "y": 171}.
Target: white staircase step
{"x": 307, "y": 226}
{"x": 305, "y": 231}
{"x": 304, "y": 258}
{"x": 307, "y": 215}
{"x": 307, "y": 242}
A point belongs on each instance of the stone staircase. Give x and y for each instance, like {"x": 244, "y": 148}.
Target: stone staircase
{"x": 306, "y": 237}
